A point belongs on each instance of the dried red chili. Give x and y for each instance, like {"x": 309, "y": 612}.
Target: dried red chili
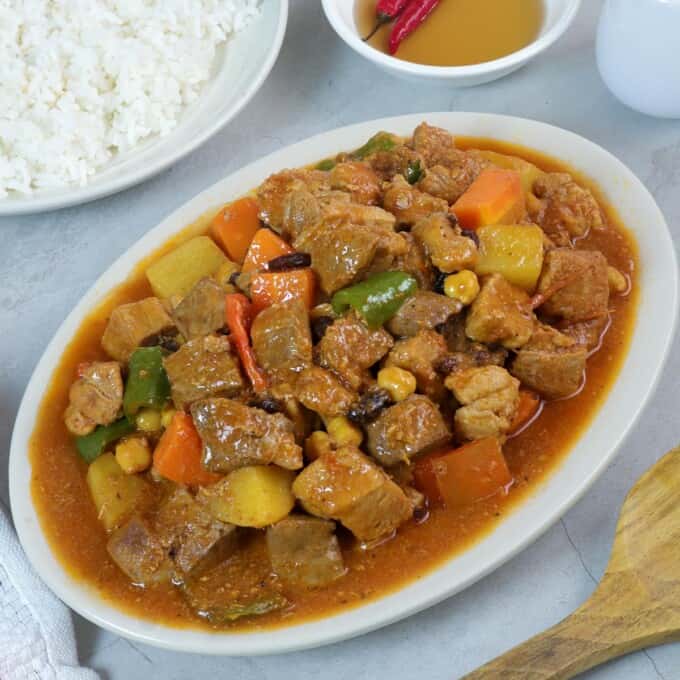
{"x": 413, "y": 15}
{"x": 386, "y": 11}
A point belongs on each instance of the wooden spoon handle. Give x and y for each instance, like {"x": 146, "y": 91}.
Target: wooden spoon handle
{"x": 581, "y": 641}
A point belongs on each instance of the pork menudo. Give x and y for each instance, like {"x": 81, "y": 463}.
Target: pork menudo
{"x": 339, "y": 383}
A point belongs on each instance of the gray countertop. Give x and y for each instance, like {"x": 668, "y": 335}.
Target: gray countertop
{"x": 49, "y": 261}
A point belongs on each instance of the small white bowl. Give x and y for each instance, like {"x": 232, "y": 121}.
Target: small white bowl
{"x": 558, "y": 16}
{"x": 587, "y": 459}
{"x": 243, "y": 65}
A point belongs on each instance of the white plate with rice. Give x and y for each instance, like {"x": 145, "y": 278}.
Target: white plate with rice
{"x": 99, "y": 95}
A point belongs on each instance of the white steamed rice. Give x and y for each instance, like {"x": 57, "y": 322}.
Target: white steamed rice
{"x": 83, "y": 80}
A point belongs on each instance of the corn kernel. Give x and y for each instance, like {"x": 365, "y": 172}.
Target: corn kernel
{"x": 148, "y": 420}
{"x": 167, "y": 414}
{"x": 617, "y": 281}
{"x": 462, "y": 286}
{"x": 399, "y": 382}
{"x": 133, "y": 455}
{"x": 317, "y": 444}
{"x": 225, "y": 272}
{"x": 343, "y": 433}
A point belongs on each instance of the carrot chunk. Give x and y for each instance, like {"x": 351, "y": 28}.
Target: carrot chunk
{"x": 265, "y": 246}
{"x": 178, "y": 453}
{"x": 464, "y": 475}
{"x": 235, "y": 225}
{"x": 495, "y": 197}
{"x": 272, "y": 287}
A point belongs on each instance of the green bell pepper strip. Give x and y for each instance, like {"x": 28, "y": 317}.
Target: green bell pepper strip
{"x": 378, "y": 298}
{"x": 147, "y": 384}
{"x": 413, "y": 172}
{"x": 381, "y": 141}
{"x": 92, "y": 445}
{"x": 326, "y": 164}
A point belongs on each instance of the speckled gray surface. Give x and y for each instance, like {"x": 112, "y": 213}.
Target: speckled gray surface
{"x": 48, "y": 261}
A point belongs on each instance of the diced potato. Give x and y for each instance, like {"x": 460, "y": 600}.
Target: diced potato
{"x": 253, "y": 496}
{"x": 115, "y": 494}
{"x": 343, "y": 432}
{"x": 515, "y": 251}
{"x": 177, "y": 272}
{"x": 528, "y": 172}
{"x": 317, "y": 444}
{"x": 224, "y": 274}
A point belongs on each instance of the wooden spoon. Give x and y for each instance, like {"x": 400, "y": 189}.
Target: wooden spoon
{"x": 636, "y": 604}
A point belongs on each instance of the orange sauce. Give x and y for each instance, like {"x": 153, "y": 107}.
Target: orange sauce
{"x": 460, "y": 32}
{"x": 69, "y": 520}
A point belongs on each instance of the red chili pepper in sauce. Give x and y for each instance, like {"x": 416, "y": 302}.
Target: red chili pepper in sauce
{"x": 386, "y": 11}
{"x": 413, "y": 16}
{"x": 238, "y": 315}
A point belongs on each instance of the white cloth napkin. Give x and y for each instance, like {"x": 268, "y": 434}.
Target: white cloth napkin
{"x": 36, "y": 632}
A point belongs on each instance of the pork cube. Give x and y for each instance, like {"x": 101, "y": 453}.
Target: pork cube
{"x": 565, "y": 210}
{"x": 340, "y": 254}
{"x": 350, "y": 348}
{"x": 575, "y": 283}
{"x": 489, "y": 396}
{"x": 301, "y": 210}
{"x": 408, "y": 204}
{"x": 95, "y": 398}
{"x": 195, "y": 539}
{"x": 463, "y": 352}
{"x": 202, "y": 310}
{"x": 236, "y": 588}
{"x": 421, "y": 355}
{"x": 134, "y": 325}
{"x": 273, "y": 193}
{"x": 501, "y": 313}
{"x": 285, "y": 396}
{"x": 414, "y": 262}
{"x": 588, "y": 334}
{"x": 235, "y": 435}
{"x": 448, "y": 249}
{"x": 347, "y": 486}
{"x": 434, "y": 144}
{"x": 423, "y": 311}
{"x": 405, "y": 430}
{"x": 396, "y": 161}
{"x": 322, "y": 391}
{"x": 551, "y": 363}
{"x": 137, "y": 549}
{"x": 305, "y": 551}
{"x": 450, "y": 183}
{"x": 357, "y": 179}
{"x": 282, "y": 340}
{"x": 201, "y": 368}
{"x": 338, "y": 208}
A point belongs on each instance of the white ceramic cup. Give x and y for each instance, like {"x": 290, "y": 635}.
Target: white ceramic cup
{"x": 638, "y": 54}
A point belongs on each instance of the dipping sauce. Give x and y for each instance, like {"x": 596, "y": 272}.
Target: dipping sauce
{"x": 460, "y": 32}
